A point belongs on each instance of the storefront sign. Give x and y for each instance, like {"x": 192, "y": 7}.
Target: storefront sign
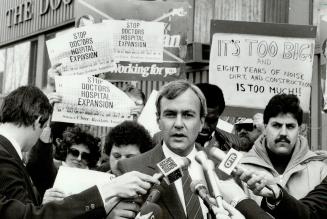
{"x": 23, "y": 18}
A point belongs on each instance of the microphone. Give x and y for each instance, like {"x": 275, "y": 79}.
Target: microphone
{"x": 230, "y": 164}
{"x": 211, "y": 177}
{"x": 171, "y": 170}
{"x": 198, "y": 187}
{"x": 150, "y": 211}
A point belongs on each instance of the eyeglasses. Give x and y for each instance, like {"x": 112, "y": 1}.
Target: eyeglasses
{"x": 75, "y": 153}
{"x": 246, "y": 126}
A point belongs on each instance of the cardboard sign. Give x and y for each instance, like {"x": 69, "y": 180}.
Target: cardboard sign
{"x": 92, "y": 101}
{"x": 251, "y": 68}
{"x": 83, "y": 51}
{"x": 137, "y": 41}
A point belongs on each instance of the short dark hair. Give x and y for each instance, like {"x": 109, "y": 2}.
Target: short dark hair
{"x": 283, "y": 103}
{"x": 73, "y": 136}
{"x": 128, "y": 132}
{"x": 214, "y": 96}
{"x": 175, "y": 88}
{"x": 24, "y": 105}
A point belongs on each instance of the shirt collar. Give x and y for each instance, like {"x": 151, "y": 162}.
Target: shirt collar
{"x": 169, "y": 153}
{"x": 13, "y": 142}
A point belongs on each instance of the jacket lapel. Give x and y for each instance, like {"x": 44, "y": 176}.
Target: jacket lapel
{"x": 6, "y": 144}
{"x": 169, "y": 197}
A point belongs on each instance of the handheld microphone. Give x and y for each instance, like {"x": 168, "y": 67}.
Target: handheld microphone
{"x": 211, "y": 177}
{"x": 150, "y": 211}
{"x": 230, "y": 164}
{"x": 170, "y": 169}
{"x": 198, "y": 187}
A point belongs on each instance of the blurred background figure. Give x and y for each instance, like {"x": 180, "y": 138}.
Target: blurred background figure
{"x": 138, "y": 97}
{"x": 248, "y": 130}
{"x": 125, "y": 140}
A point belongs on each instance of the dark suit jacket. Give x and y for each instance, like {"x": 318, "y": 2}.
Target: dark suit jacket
{"x": 312, "y": 206}
{"x": 146, "y": 163}
{"x": 18, "y": 199}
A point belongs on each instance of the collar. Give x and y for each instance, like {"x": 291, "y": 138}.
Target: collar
{"x": 14, "y": 143}
{"x": 169, "y": 153}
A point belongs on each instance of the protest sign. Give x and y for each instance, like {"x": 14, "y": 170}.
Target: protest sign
{"x": 137, "y": 41}
{"x": 176, "y": 18}
{"x": 83, "y": 51}
{"x": 75, "y": 180}
{"x": 253, "y": 67}
{"x": 92, "y": 101}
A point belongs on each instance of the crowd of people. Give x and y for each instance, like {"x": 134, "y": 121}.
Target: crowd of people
{"x": 280, "y": 176}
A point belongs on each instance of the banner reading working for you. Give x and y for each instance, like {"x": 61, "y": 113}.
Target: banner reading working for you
{"x": 250, "y": 68}
{"x": 92, "y": 101}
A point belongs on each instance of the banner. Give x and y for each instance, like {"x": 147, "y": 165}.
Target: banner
{"x": 92, "y": 101}
{"x": 176, "y": 17}
{"x": 251, "y": 68}
{"x": 83, "y": 51}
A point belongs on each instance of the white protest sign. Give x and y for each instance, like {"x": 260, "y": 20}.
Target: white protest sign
{"x": 253, "y": 68}
{"x": 75, "y": 180}
{"x": 90, "y": 100}
{"x": 136, "y": 40}
{"x": 148, "y": 116}
{"x": 84, "y": 50}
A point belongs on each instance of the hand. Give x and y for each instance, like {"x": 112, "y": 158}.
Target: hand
{"x": 45, "y": 136}
{"x": 230, "y": 190}
{"x": 258, "y": 183}
{"x": 52, "y": 72}
{"x": 129, "y": 185}
{"x": 124, "y": 209}
{"x": 54, "y": 97}
{"x": 53, "y": 194}
{"x": 233, "y": 212}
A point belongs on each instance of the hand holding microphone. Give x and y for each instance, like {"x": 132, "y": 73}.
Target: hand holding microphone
{"x": 257, "y": 182}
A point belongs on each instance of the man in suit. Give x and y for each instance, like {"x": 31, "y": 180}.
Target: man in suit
{"x": 24, "y": 113}
{"x": 181, "y": 110}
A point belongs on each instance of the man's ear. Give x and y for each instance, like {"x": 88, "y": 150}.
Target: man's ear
{"x": 158, "y": 119}
{"x": 58, "y": 141}
{"x": 202, "y": 122}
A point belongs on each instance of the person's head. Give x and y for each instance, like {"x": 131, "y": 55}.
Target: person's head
{"x": 248, "y": 131}
{"x": 181, "y": 110}
{"x": 79, "y": 149}
{"x": 215, "y": 106}
{"x": 282, "y": 117}
{"x": 138, "y": 97}
{"x": 126, "y": 140}
{"x": 135, "y": 94}
{"x": 57, "y": 130}
{"x": 26, "y": 107}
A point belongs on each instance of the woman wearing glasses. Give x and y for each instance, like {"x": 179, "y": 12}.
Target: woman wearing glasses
{"x": 79, "y": 149}
{"x": 76, "y": 149}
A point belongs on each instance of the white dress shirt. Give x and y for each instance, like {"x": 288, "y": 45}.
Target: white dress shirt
{"x": 196, "y": 172}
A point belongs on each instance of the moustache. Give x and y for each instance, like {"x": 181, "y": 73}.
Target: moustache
{"x": 282, "y": 139}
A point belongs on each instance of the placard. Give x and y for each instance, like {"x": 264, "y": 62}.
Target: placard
{"x": 83, "y": 51}
{"x": 92, "y": 101}
{"x": 251, "y": 68}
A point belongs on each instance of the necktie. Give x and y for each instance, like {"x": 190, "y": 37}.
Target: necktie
{"x": 193, "y": 208}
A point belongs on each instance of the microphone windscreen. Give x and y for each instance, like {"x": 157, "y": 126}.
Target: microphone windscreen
{"x": 196, "y": 184}
{"x": 150, "y": 211}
